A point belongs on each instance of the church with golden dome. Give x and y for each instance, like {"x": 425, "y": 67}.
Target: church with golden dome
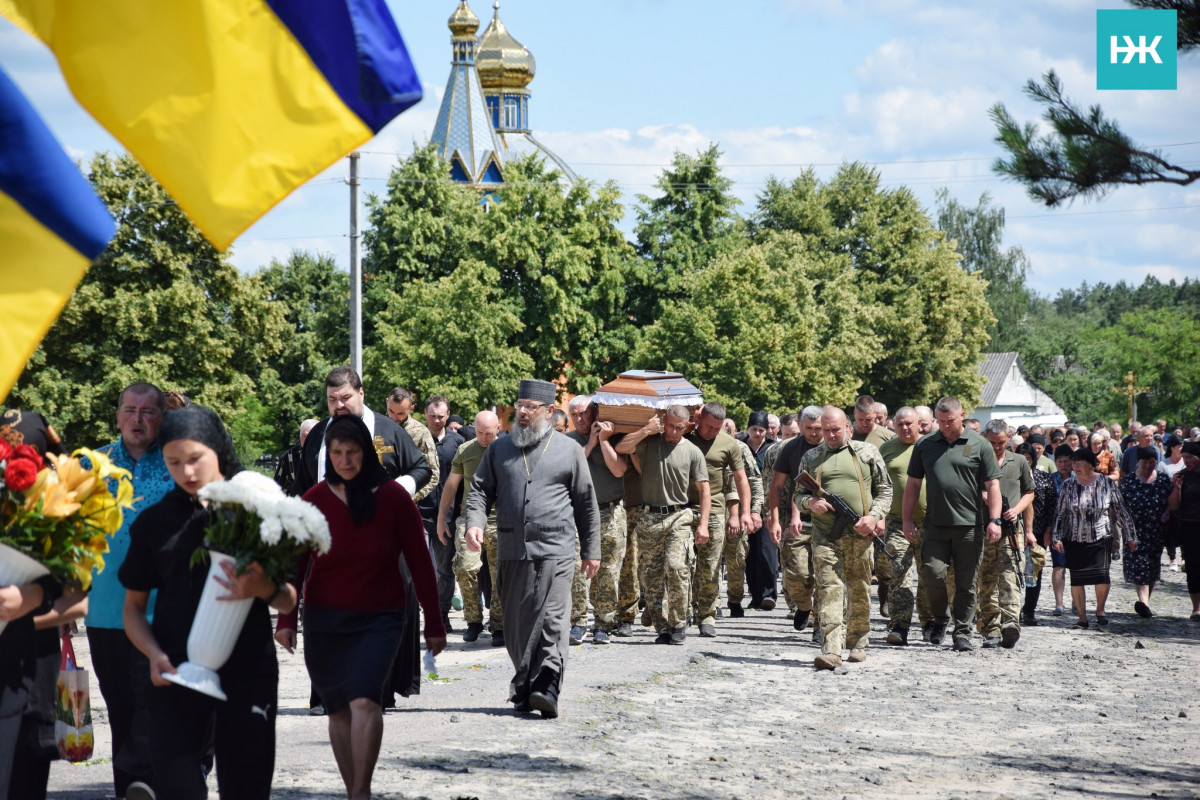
{"x": 483, "y": 121}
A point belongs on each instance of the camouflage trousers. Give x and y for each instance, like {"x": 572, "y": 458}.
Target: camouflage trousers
{"x": 736, "y": 548}
{"x": 843, "y": 568}
{"x": 706, "y": 578}
{"x": 629, "y": 592}
{"x": 467, "y": 564}
{"x": 664, "y": 545}
{"x": 799, "y": 578}
{"x": 602, "y": 589}
{"x": 901, "y": 597}
{"x": 1001, "y": 590}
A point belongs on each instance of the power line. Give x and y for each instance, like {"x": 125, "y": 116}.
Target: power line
{"x": 1053, "y": 214}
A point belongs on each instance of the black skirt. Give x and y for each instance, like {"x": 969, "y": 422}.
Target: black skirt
{"x": 1088, "y": 562}
{"x": 349, "y": 654}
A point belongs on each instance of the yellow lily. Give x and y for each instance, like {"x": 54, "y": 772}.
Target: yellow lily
{"x": 58, "y": 501}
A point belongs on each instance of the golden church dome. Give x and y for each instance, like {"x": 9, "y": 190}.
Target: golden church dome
{"x": 501, "y": 61}
{"x": 463, "y": 21}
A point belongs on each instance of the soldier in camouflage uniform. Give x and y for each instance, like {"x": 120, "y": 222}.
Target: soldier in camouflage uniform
{"x": 736, "y": 544}
{"x": 670, "y": 466}
{"x": 896, "y": 453}
{"x": 723, "y": 457}
{"x": 789, "y": 528}
{"x": 467, "y": 562}
{"x": 607, "y": 469}
{"x": 1001, "y": 583}
{"x": 399, "y": 407}
{"x": 629, "y": 593}
{"x": 869, "y": 427}
{"x": 855, "y": 472}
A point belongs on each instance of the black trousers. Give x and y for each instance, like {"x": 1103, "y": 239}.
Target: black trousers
{"x": 762, "y": 566}
{"x": 124, "y": 677}
{"x": 242, "y": 729}
{"x": 443, "y": 562}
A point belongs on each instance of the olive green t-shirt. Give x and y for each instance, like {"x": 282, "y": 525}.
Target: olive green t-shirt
{"x": 466, "y": 461}
{"x": 955, "y": 472}
{"x": 1046, "y": 465}
{"x": 1016, "y": 478}
{"x": 608, "y": 486}
{"x": 723, "y": 456}
{"x": 877, "y": 436}
{"x": 839, "y": 471}
{"x": 669, "y": 471}
{"x": 897, "y": 454}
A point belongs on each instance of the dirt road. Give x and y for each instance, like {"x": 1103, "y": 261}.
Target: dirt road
{"x": 1066, "y": 714}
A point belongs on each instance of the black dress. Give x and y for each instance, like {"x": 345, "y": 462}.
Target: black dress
{"x": 28, "y": 675}
{"x": 162, "y": 541}
{"x": 1146, "y": 503}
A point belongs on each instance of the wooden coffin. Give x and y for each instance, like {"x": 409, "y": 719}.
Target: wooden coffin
{"x": 629, "y": 401}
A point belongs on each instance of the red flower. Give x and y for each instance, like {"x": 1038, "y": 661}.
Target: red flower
{"x": 6, "y": 451}
{"x": 30, "y": 452}
{"x": 20, "y": 474}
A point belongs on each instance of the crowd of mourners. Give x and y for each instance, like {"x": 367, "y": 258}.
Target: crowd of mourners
{"x": 561, "y": 530}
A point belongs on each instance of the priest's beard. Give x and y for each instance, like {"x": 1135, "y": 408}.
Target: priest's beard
{"x": 537, "y": 428}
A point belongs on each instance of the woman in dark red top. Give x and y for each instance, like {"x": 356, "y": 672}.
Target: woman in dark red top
{"x": 354, "y": 595}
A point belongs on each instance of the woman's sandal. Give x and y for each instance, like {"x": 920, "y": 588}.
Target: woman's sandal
{"x": 1102, "y": 620}
{"x": 1081, "y": 624}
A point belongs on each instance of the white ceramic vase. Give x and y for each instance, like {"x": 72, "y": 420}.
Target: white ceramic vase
{"x": 215, "y": 630}
{"x": 17, "y": 569}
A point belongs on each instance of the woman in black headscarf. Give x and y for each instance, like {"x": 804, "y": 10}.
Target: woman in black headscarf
{"x": 198, "y": 451}
{"x": 354, "y": 595}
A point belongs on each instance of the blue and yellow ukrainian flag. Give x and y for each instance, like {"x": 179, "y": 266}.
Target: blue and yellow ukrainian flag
{"x": 52, "y": 227}
{"x": 229, "y": 104}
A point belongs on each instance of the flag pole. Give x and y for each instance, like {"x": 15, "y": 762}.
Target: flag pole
{"x": 355, "y": 272}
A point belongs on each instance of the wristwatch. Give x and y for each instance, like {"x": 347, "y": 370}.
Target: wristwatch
{"x": 996, "y": 521}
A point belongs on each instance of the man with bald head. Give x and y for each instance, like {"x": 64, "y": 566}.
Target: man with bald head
{"x": 467, "y": 563}
{"x": 856, "y": 472}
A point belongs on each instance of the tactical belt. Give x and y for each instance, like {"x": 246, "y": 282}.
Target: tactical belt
{"x": 663, "y": 509}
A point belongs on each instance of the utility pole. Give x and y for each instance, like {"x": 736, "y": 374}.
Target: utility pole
{"x": 355, "y": 272}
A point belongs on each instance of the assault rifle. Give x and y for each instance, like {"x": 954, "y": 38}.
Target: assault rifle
{"x": 1009, "y": 531}
{"x": 846, "y": 515}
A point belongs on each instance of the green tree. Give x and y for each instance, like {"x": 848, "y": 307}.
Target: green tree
{"x": 691, "y": 221}
{"x": 313, "y": 295}
{"x": 977, "y": 234}
{"x": 746, "y": 331}
{"x": 451, "y": 337}
{"x": 931, "y": 316}
{"x": 160, "y": 305}
{"x": 559, "y": 264}
{"x": 418, "y": 230}
{"x": 1086, "y": 154}
{"x": 1162, "y": 348}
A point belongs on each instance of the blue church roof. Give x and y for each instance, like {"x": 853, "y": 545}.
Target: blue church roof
{"x": 484, "y": 117}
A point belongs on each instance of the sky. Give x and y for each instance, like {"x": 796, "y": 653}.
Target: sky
{"x": 780, "y": 86}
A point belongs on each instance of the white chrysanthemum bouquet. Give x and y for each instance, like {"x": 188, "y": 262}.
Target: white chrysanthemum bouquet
{"x": 256, "y": 521}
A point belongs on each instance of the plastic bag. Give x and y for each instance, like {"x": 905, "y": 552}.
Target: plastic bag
{"x": 72, "y": 708}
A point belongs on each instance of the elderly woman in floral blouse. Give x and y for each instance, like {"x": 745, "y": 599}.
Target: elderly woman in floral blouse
{"x": 1090, "y": 524}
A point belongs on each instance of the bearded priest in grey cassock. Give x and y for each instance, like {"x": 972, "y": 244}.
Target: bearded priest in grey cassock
{"x": 539, "y": 484}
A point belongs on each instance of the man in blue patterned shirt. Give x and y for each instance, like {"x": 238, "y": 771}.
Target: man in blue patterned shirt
{"x": 121, "y": 670}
